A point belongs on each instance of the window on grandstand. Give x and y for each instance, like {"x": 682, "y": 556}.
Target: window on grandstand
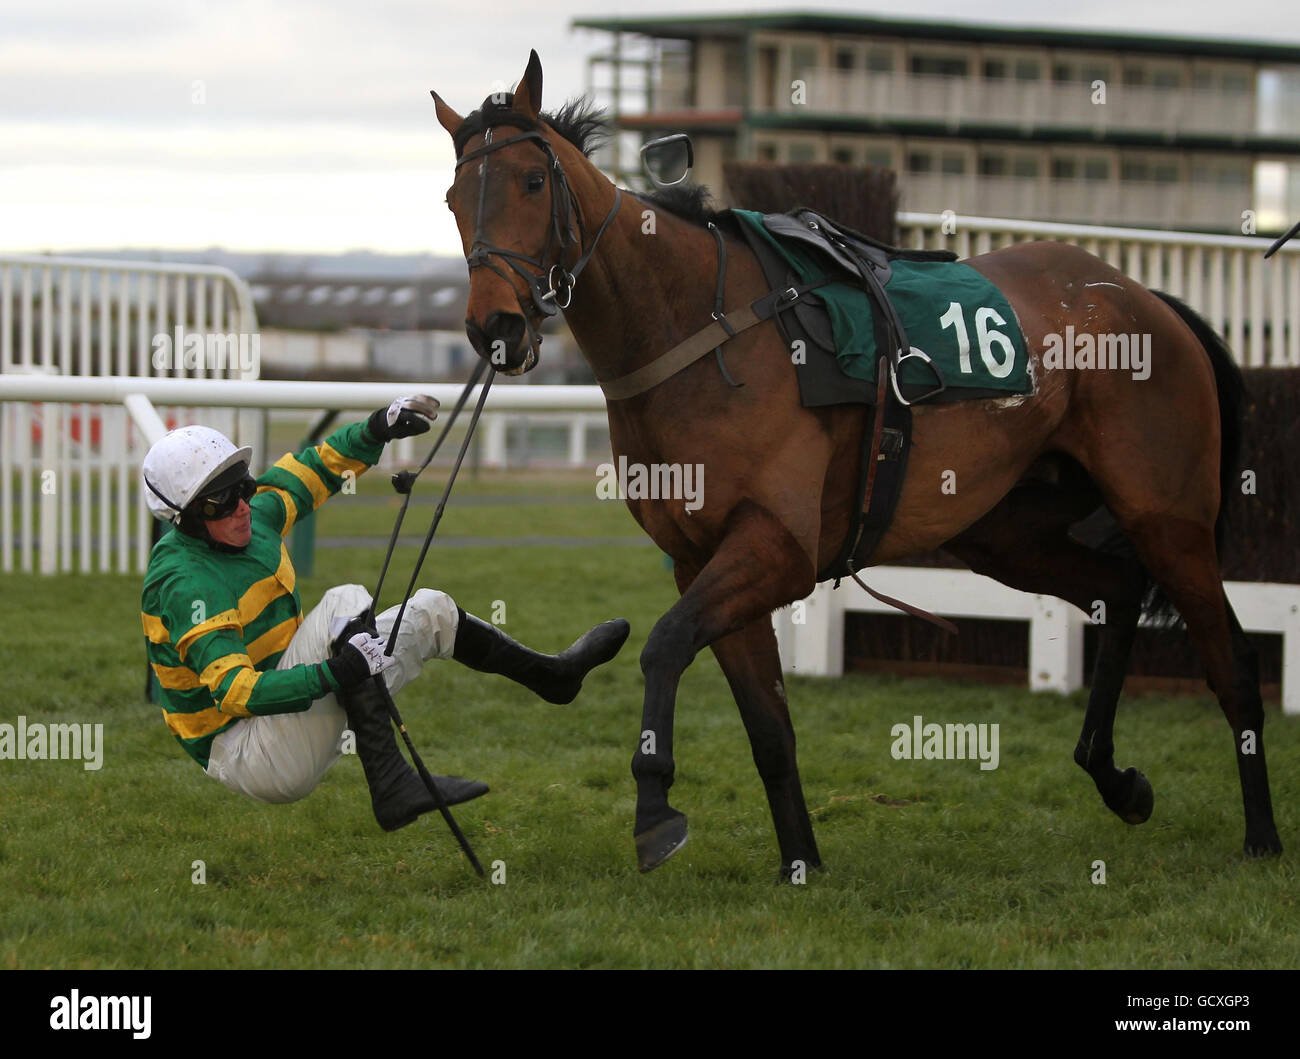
{"x": 880, "y": 61}
{"x": 768, "y": 56}
{"x": 1135, "y": 169}
{"x": 1096, "y": 169}
{"x": 939, "y": 66}
{"x": 803, "y": 58}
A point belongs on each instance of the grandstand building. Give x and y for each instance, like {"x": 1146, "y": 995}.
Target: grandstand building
{"x": 986, "y": 120}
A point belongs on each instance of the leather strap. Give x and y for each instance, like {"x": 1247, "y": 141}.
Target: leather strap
{"x": 906, "y": 608}
{"x": 681, "y": 356}
{"x": 718, "y": 295}
{"x": 877, "y": 432}
{"x": 704, "y": 341}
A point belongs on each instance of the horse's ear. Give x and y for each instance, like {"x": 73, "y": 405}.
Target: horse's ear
{"x": 447, "y": 118}
{"x": 528, "y": 93}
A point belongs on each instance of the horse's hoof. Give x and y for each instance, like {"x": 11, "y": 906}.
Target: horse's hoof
{"x": 1263, "y": 846}
{"x": 1140, "y": 801}
{"x": 655, "y": 846}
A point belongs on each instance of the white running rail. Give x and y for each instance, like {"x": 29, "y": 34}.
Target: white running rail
{"x": 67, "y": 471}
{"x": 1254, "y": 304}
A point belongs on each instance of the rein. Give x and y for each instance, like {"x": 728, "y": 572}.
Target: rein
{"x": 402, "y": 482}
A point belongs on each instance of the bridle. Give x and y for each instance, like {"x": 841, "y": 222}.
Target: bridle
{"x": 552, "y": 286}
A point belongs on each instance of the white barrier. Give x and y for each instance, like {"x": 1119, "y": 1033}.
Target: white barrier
{"x": 1254, "y": 304}
{"x": 815, "y": 645}
{"x": 74, "y": 319}
{"x": 131, "y": 402}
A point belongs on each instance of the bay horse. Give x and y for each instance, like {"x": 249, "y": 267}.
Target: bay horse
{"x": 1158, "y": 453}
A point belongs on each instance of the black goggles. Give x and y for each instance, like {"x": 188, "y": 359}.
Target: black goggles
{"x": 223, "y": 503}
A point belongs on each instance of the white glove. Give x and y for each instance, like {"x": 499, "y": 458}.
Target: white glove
{"x": 372, "y": 650}
{"x": 405, "y": 417}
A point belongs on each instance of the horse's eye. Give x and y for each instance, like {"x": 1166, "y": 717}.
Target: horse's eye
{"x": 536, "y": 181}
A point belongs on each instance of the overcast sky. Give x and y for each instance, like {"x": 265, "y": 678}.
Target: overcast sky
{"x": 296, "y": 125}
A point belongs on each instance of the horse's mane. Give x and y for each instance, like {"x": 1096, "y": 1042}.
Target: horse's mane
{"x": 585, "y": 125}
{"x": 691, "y": 202}
{"x": 579, "y": 121}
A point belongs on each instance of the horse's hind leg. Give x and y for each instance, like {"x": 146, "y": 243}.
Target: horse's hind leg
{"x": 752, "y": 665}
{"x": 1251, "y": 767}
{"x": 1024, "y": 542}
{"x": 1181, "y": 556}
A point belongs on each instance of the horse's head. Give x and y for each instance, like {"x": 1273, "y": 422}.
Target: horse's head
{"x": 518, "y": 219}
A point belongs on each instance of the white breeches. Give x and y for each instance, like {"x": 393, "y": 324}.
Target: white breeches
{"x": 281, "y": 757}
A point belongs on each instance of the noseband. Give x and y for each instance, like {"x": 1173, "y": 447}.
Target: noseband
{"x": 551, "y": 287}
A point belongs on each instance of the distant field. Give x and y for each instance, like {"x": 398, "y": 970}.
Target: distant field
{"x": 929, "y": 864}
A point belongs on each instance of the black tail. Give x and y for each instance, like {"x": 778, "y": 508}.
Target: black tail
{"x": 1232, "y": 408}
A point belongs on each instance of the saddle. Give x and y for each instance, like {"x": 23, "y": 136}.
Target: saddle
{"x": 848, "y": 257}
{"x": 851, "y": 257}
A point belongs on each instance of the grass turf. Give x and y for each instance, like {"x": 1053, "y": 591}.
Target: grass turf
{"x": 929, "y": 863}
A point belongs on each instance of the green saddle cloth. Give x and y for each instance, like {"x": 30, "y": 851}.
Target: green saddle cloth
{"x": 951, "y": 312}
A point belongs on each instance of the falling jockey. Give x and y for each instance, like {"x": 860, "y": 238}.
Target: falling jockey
{"x": 251, "y": 689}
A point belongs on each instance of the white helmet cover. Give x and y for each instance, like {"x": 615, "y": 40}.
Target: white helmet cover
{"x": 178, "y": 467}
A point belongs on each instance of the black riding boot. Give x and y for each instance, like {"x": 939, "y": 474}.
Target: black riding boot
{"x": 556, "y": 678}
{"x": 397, "y": 794}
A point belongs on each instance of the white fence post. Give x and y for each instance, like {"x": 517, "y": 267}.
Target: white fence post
{"x": 494, "y": 441}
{"x": 1055, "y": 646}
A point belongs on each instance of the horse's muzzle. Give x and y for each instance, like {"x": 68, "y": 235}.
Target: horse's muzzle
{"x": 503, "y": 342}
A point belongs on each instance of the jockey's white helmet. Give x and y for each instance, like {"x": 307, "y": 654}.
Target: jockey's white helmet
{"x": 182, "y": 463}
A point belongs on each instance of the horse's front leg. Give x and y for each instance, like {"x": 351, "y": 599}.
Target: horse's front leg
{"x": 757, "y": 567}
{"x": 752, "y": 665}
